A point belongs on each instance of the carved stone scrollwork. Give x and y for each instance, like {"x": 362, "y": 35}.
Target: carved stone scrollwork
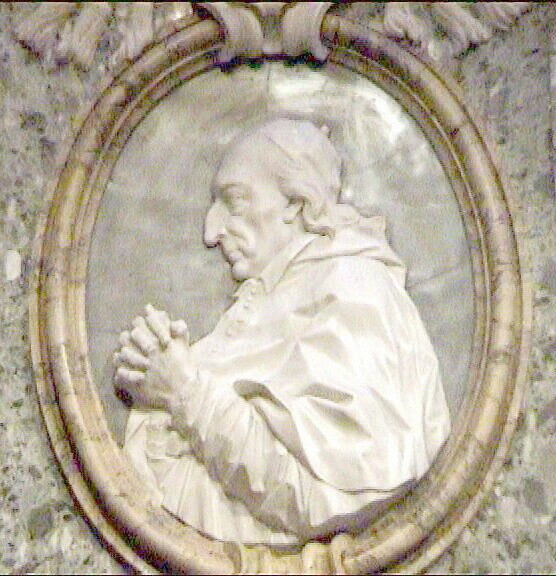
{"x": 301, "y": 29}
{"x": 270, "y": 28}
{"x": 244, "y": 35}
{"x": 61, "y": 32}
{"x": 446, "y": 29}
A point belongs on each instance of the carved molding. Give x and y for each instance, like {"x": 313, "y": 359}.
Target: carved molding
{"x": 270, "y": 28}
{"x": 442, "y": 30}
{"x": 62, "y": 32}
{"x": 408, "y": 536}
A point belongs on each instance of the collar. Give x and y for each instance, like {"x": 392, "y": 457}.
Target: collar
{"x": 367, "y": 237}
{"x": 276, "y": 268}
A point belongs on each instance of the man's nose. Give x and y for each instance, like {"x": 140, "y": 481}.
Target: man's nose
{"x": 214, "y": 225}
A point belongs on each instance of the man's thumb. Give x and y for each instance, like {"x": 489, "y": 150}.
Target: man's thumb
{"x": 178, "y": 329}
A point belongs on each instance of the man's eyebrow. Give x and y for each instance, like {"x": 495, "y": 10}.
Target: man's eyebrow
{"x": 220, "y": 189}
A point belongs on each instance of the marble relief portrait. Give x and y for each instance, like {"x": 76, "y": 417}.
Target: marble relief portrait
{"x": 317, "y": 395}
{"x": 284, "y": 387}
{"x": 307, "y": 394}
{"x": 278, "y": 316}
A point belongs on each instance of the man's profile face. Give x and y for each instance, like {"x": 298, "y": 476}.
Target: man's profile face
{"x": 247, "y": 217}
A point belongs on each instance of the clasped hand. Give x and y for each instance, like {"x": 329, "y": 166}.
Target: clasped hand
{"x": 153, "y": 362}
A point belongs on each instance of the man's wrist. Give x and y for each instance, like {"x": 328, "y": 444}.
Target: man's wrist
{"x": 179, "y": 403}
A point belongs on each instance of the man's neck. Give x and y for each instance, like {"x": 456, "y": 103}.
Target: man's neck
{"x": 276, "y": 268}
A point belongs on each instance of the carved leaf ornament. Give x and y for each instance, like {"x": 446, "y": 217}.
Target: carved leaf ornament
{"x": 74, "y": 31}
{"x": 411, "y": 533}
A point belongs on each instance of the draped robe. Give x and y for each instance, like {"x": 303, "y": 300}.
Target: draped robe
{"x": 318, "y": 399}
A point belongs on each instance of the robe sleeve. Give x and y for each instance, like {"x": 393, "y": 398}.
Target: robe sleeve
{"x": 347, "y": 408}
{"x": 241, "y": 453}
{"x": 359, "y": 399}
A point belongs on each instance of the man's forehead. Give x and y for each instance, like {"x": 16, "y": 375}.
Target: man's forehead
{"x": 237, "y": 168}
{"x": 227, "y": 175}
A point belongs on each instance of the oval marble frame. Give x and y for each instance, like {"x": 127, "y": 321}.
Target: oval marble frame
{"x": 413, "y": 532}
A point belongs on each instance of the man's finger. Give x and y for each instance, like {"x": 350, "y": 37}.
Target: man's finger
{"x": 159, "y": 322}
{"x": 178, "y": 329}
{"x": 132, "y": 358}
{"x": 125, "y": 340}
{"x": 144, "y": 339}
{"x": 139, "y": 322}
{"x": 125, "y": 377}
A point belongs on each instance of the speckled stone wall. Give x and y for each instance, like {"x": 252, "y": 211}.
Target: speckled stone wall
{"x": 507, "y": 82}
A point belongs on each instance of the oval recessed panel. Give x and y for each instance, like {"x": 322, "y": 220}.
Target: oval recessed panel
{"x": 147, "y": 244}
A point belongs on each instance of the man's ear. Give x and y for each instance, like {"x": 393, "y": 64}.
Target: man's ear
{"x": 292, "y": 210}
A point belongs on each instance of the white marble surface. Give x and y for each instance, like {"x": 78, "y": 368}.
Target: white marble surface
{"x": 148, "y": 238}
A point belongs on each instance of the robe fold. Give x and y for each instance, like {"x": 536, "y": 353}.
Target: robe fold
{"x": 318, "y": 399}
